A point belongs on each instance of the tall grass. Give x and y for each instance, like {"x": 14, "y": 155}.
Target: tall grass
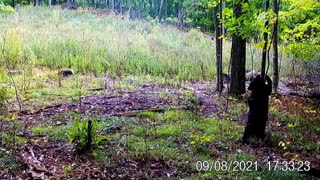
{"x": 58, "y": 38}
{"x": 65, "y": 39}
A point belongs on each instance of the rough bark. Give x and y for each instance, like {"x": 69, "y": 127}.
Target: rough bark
{"x": 275, "y": 47}
{"x": 180, "y": 18}
{"x": 238, "y": 59}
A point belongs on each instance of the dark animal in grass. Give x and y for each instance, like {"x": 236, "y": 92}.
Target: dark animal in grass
{"x": 66, "y": 72}
{"x": 258, "y": 108}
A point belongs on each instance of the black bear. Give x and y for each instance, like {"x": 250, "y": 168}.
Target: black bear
{"x": 66, "y": 72}
{"x": 258, "y": 108}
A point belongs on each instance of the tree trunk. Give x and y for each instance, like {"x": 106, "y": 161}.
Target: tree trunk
{"x": 166, "y": 8}
{"x": 180, "y": 18}
{"x": 265, "y": 47}
{"x": 130, "y": 13}
{"x": 151, "y": 7}
{"x": 139, "y": 10}
{"x": 238, "y": 59}
{"x": 275, "y": 47}
{"x": 160, "y": 11}
{"x": 218, "y": 30}
{"x": 223, "y": 6}
{"x": 112, "y": 5}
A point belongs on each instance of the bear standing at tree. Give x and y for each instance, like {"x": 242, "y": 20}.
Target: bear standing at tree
{"x": 258, "y": 108}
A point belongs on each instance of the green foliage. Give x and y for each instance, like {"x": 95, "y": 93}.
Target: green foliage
{"x": 301, "y": 29}
{"x": 58, "y": 133}
{"x": 304, "y": 51}
{"x": 199, "y": 140}
{"x": 283, "y": 175}
{"x": 191, "y": 100}
{"x": 168, "y": 130}
{"x": 13, "y": 48}
{"x": 10, "y": 139}
{"x": 39, "y": 130}
{"x": 245, "y": 25}
{"x": 178, "y": 115}
{"x": 148, "y": 114}
{"x": 78, "y": 133}
{"x": 3, "y": 99}
{"x": 8, "y": 161}
{"x": 5, "y": 10}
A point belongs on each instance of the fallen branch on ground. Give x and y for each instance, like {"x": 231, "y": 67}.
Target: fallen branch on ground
{"x": 139, "y": 111}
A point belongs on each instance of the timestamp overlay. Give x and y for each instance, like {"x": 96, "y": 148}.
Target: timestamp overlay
{"x": 288, "y": 165}
{"x": 212, "y": 165}
{"x": 226, "y": 165}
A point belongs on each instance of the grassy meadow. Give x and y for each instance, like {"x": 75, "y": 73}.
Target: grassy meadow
{"x": 88, "y": 43}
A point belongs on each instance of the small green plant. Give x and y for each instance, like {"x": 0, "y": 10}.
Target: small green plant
{"x": 178, "y": 115}
{"x": 3, "y": 99}
{"x": 149, "y": 130}
{"x": 84, "y": 134}
{"x": 191, "y": 101}
{"x": 8, "y": 161}
{"x": 10, "y": 139}
{"x": 39, "y": 130}
{"x": 167, "y": 131}
{"x": 200, "y": 142}
{"x": 151, "y": 118}
{"x": 67, "y": 168}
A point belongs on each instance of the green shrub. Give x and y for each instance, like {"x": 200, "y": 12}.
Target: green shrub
{"x": 78, "y": 134}
{"x": 13, "y": 48}
{"x": 5, "y": 10}
{"x": 39, "y": 130}
{"x": 3, "y": 98}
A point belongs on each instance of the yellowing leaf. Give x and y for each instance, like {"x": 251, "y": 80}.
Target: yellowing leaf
{"x": 291, "y": 125}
